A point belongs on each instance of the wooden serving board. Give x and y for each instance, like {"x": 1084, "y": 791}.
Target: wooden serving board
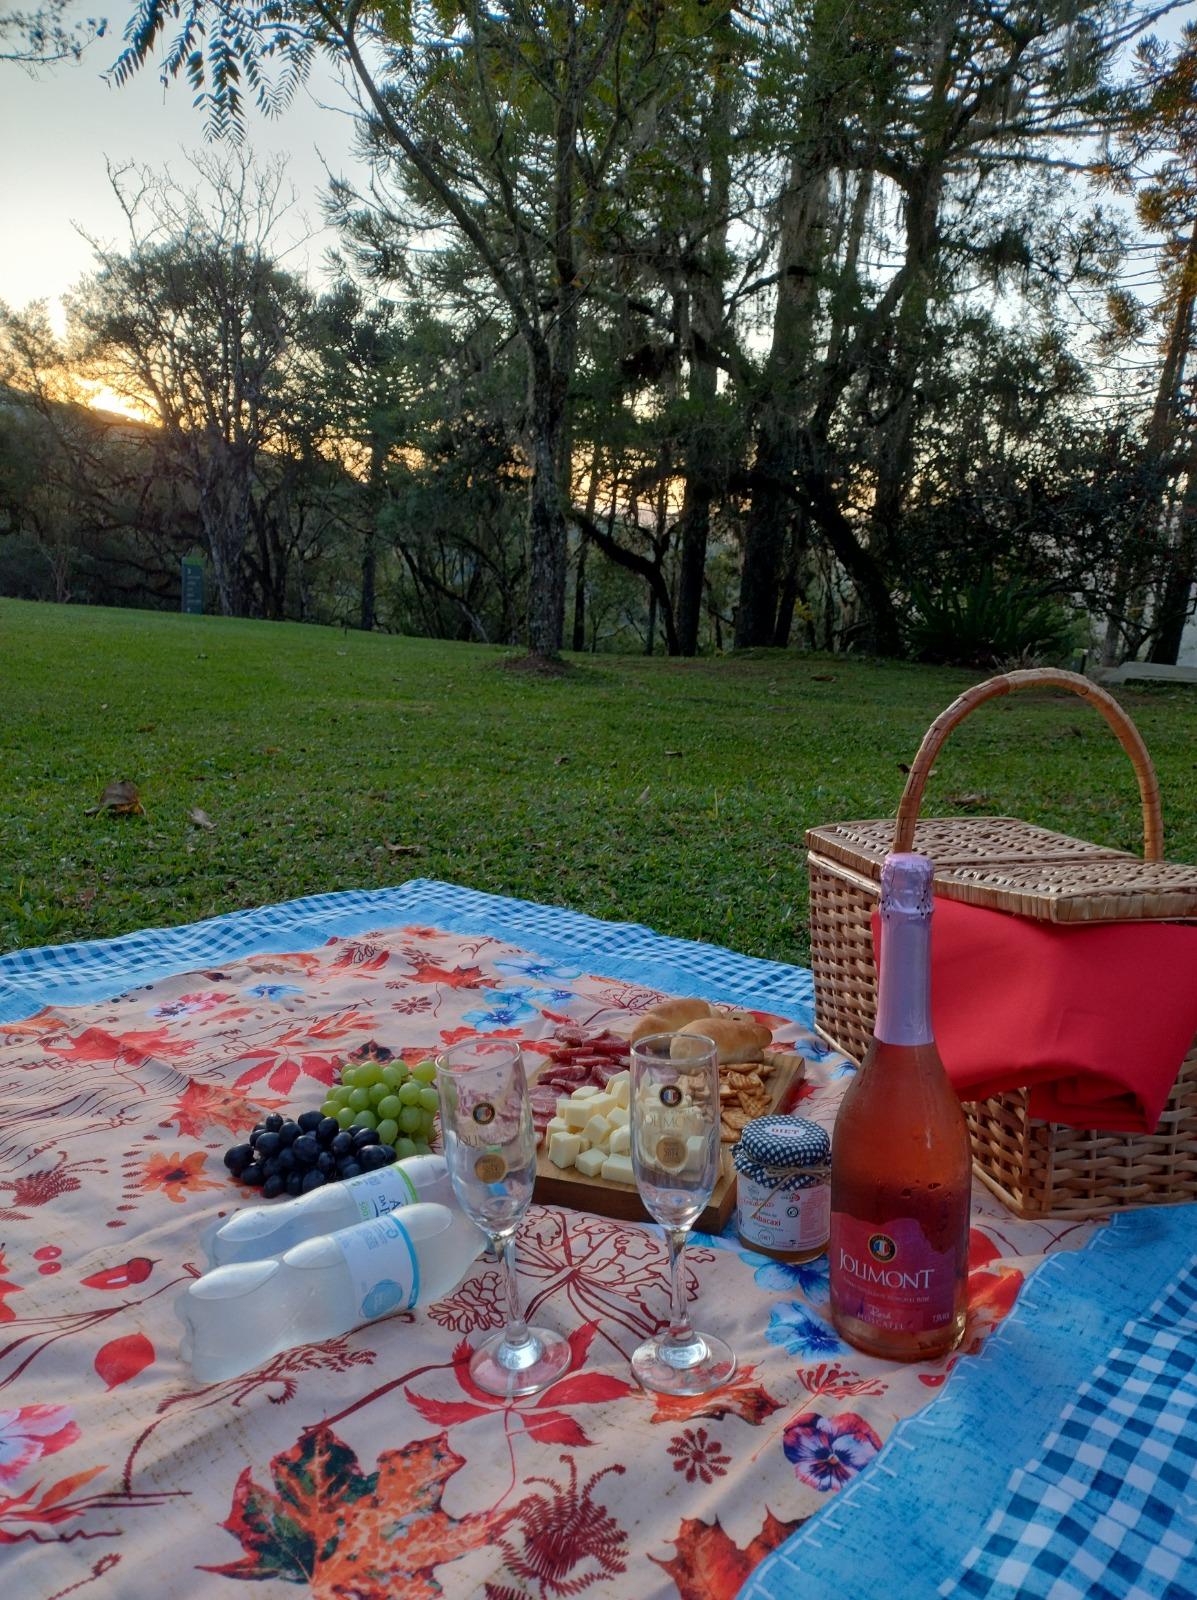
{"x": 555, "y": 1187}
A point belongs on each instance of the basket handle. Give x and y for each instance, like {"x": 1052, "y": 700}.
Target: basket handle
{"x": 1037, "y": 678}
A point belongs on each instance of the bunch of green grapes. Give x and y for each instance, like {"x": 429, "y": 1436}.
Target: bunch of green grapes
{"x": 399, "y": 1101}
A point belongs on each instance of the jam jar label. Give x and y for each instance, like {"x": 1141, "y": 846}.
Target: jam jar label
{"x": 777, "y": 1219}
{"x": 887, "y": 1274}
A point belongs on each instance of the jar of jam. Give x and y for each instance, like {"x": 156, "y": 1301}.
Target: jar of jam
{"x": 783, "y": 1187}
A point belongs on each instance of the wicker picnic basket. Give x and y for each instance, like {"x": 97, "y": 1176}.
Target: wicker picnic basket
{"x": 1038, "y": 1168}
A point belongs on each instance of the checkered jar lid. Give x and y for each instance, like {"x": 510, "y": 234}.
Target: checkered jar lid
{"x": 790, "y": 1143}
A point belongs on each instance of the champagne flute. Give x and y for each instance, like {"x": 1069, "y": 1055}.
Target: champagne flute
{"x": 490, "y": 1151}
{"x": 675, "y": 1157}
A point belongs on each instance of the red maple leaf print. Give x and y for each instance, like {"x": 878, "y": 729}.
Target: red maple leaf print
{"x": 451, "y": 977}
{"x": 218, "y": 1105}
{"x": 709, "y": 1565}
{"x": 130, "y": 1049}
{"x": 339, "y": 1531}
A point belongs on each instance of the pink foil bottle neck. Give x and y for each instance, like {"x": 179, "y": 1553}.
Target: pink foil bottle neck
{"x": 904, "y": 985}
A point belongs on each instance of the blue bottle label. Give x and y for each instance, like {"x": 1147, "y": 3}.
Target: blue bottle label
{"x": 383, "y": 1266}
{"x": 377, "y": 1193}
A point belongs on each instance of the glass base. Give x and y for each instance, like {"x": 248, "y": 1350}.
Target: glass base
{"x": 699, "y": 1365}
{"x": 525, "y": 1368}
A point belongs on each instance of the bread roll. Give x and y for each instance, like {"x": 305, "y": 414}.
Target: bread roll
{"x": 649, "y": 1024}
{"x": 668, "y": 1017}
{"x": 734, "y": 1041}
{"x": 675, "y": 1013}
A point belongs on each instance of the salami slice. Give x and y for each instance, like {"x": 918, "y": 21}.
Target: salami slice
{"x": 571, "y": 1035}
{"x": 572, "y": 1075}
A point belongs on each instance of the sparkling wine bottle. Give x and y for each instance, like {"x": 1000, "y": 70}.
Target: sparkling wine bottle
{"x": 900, "y": 1162}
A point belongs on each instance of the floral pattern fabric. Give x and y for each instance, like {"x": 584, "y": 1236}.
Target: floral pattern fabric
{"x": 369, "y": 1465}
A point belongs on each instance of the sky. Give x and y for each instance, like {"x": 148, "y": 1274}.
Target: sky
{"x": 57, "y": 128}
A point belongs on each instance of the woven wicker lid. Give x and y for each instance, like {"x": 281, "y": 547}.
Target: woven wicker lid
{"x": 1009, "y": 865}
{"x": 1103, "y": 889}
{"x": 950, "y": 841}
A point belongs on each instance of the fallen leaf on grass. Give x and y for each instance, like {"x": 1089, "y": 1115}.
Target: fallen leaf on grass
{"x": 200, "y": 818}
{"x": 822, "y": 677}
{"x": 406, "y": 849}
{"x": 644, "y": 796}
{"x": 969, "y": 802}
{"x": 673, "y": 752}
{"x": 122, "y": 799}
{"x": 560, "y": 761}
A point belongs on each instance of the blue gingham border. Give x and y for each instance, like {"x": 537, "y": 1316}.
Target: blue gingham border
{"x": 79, "y": 974}
{"x": 1100, "y": 1513}
{"x": 906, "y": 1527}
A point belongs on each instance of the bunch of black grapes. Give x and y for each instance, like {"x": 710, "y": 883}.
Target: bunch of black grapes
{"x": 285, "y": 1157}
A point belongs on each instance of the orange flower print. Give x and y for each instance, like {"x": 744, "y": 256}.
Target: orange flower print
{"x": 177, "y": 1175}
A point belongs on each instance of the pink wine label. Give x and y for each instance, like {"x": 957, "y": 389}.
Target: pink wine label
{"x": 886, "y": 1274}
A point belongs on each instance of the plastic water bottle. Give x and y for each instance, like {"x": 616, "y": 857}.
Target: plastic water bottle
{"x": 261, "y": 1231}
{"x": 239, "y": 1315}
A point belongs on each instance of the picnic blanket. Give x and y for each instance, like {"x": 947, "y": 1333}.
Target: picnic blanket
{"x": 1092, "y": 1492}
{"x": 366, "y": 1464}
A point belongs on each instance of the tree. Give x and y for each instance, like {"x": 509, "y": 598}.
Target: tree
{"x": 196, "y": 322}
{"x": 505, "y": 123}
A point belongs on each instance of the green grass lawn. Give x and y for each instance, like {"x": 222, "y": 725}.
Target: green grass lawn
{"x": 672, "y": 793}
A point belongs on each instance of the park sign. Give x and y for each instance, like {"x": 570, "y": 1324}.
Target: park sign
{"x": 193, "y": 586}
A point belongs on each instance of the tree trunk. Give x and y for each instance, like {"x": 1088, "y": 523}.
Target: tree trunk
{"x": 1161, "y": 431}
{"x": 579, "y": 638}
{"x": 224, "y": 495}
{"x": 895, "y": 451}
{"x": 705, "y": 301}
{"x": 790, "y": 584}
{"x": 1174, "y": 606}
{"x": 801, "y": 250}
{"x": 547, "y": 537}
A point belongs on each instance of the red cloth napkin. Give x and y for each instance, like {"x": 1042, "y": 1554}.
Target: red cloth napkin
{"x": 1094, "y": 1020}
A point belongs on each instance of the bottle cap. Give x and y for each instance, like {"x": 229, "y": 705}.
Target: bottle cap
{"x": 777, "y": 1141}
{"x": 906, "y": 884}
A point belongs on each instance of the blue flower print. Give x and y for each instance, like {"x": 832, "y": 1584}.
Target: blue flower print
{"x": 532, "y": 967}
{"x": 537, "y": 997}
{"x": 810, "y": 1278}
{"x": 803, "y": 1335}
{"x": 504, "y": 1007}
{"x": 272, "y": 991}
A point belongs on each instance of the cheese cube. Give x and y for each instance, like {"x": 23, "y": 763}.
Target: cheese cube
{"x": 564, "y": 1149}
{"x": 618, "y": 1169}
{"x": 585, "y": 1091}
{"x": 601, "y": 1104}
{"x": 620, "y": 1086}
{"x": 577, "y": 1114}
{"x": 555, "y": 1125}
{"x": 563, "y": 1104}
{"x": 597, "y": 1130}
{"x": 696, "y": 1152}
{"x": 620, "y": 1141}
{"x": 590, "y": 1162}
{"x": 620, "y": 1117}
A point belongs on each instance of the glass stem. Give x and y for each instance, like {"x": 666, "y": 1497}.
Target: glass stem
{"x": 504, "y": 1247}
{"x": 680, "y": 1330}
